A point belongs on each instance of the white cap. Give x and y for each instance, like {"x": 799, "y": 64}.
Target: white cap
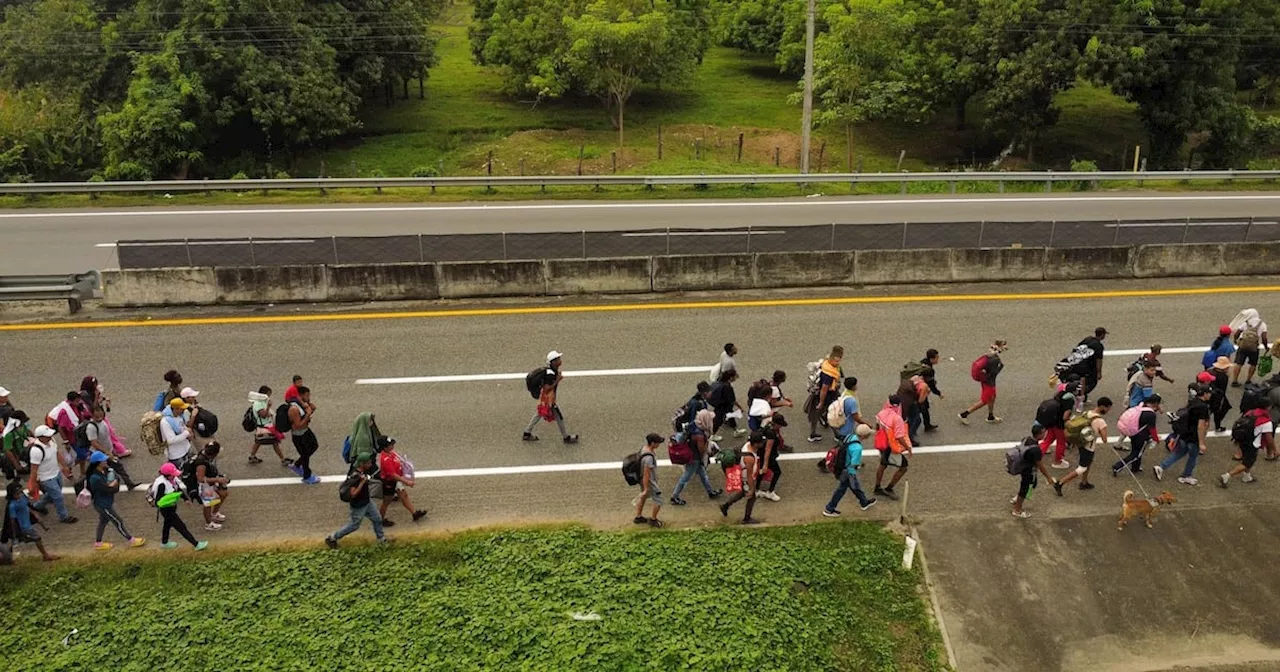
{"x": 554, "y": 355}
{"x": 44, "y": 432}
{"x": 4, "y": 391}
{"x": 187, "y": 393}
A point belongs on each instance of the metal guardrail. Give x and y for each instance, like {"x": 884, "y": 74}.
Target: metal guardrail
{"x": 1049, "y": 178}
{"x": 74, "y": 287}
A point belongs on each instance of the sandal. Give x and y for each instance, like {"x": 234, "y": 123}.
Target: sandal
{"x": 1021, "y": 514}
{"x": 654, "y": 522}
{"x": 254, "y": 459}
{"x": 640, "y": 520}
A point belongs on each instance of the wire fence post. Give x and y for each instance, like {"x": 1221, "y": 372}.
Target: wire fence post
{"x": 253, "y": 258}
{"x": 904, "y": 235}
{"x": 1053, "y": 228}
{"x": 186, "y": 242}
{"x": 668, "y": 238}
{"x": 982, "y": 228}
{"x": 1247, "y": 229}
{"x": 833, "y": 236}
{"x": 1000, "y": 186}
{"x": 1186, "y": 229}
{"x": 422, "y": 256}
{"x": 504, "y": 245}
{"x": 584, "y": 243}
{"x": 335, "y": 248}
{"x": 1115, "y": 239}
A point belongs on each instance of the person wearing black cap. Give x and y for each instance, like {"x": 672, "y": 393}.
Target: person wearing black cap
{"x": 1031, "y": 461}
{"x": 1139, "y": 424}
{"x": 395, "y": 481}
{"x": 749, "y": 464}
{"x": 772, "y": 443}
{"x": 1190, "y": 427}
{"x": 1091, "y": 368}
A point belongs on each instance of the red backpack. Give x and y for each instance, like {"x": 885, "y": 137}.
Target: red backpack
{"x": 977, "y": 370}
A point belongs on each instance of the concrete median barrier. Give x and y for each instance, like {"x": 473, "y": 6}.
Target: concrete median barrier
{"x": 991, "y": 264}
{"x": 804, "y": 269}
{"x": 382, "y": 282}
{"x": 1167, "y": 261}
{"x": 1088, "y": 263}
{"x": 474, "y": 279}
{"x": 271, "y": 284}
{"x": 696, "y": 272}
{"x": 1250, "y": 258}
{"x": 620, "y": 275}
{"x": 885, "y": 267}
{"x": 158, "y": 287}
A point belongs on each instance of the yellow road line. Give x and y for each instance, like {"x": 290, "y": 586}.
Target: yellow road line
{"x": 685, "y": 305}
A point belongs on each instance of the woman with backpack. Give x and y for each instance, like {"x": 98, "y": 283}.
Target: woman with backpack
{"x": 204, "y": 481}
{"x": 103, "y": 486}
{"x": 94, "y": 395}
{"x": 724, "y": 400}
{"x": 1250, "y": 336}
{"x": 165, "y": 493}
{"x": 174, "y": 391}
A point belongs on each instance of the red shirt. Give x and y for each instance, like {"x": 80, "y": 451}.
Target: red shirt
{"x": 291, "y": 393}
{"x": 389, "y": 465}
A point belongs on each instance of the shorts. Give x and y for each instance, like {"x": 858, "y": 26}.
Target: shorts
{"x": 1249, "y": 357}
{"x": 655, "y": 495}
{"x": 390, "y": 489}
{"x": 885, "y": 456}
{"x": 1028, "y": 482}
{"x": 1086, "y": 458}
{"x": 1248, "y": 456}
{"x": 28, "y": 536}
{"x": 988, "y": 394}
{"x": 82, "y": 453}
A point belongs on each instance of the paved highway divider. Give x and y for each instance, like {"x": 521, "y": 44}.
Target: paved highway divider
{"x": 675, "y": 273}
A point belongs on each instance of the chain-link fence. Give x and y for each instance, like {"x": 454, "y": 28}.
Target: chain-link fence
{"x": 597, "y": 244}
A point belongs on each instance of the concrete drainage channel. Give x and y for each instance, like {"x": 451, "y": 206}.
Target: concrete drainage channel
{"x": 314, "y": 283}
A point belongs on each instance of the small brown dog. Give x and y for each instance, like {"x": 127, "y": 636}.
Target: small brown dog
{"x": 1143, "y": 507}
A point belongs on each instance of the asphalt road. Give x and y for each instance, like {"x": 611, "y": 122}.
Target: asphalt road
{"x": 75, "y": 240}
{"x": 474, "y": 424}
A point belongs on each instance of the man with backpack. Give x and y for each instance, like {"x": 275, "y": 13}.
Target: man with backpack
{"x": 649, "y": 482}
{"x": 1190, "y": 426}
{"x": 1139, "y": 424}
{"x": 894, "y": 443}
{"x": 543, "y": 384}
{"x": 1052, "y": 415}
{"x": 300, "y": 412}
{"x": 1085, "y": 434}
{"x": 824, "y": 388}
{"x": 845, "y": 466}
{"x": 1254, "y": 431}
{"x": 1086, "y": 360}
{"x": 726, "y": 363}
{"x": 1142, "y": 384}
{"x": 1251, "y": 339}
{"x": 1024, "y": 460}
{"x": 355, "y": 492}
{"x": 984, "y": 371}
{"x": 724, "y": 400}
{"x": 930, "y": 375}
{"x": 687, "y": 427}
{"x": 914, "y": 394}
{"x": 47, "y": 473}
{"x": 849, "y": 415}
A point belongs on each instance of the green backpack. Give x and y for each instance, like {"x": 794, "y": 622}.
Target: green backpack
{"x": 1080, "y": 430}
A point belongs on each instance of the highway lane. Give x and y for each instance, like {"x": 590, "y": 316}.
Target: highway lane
{"x": 68, "y": 240}
{"x": 477, "y": 423}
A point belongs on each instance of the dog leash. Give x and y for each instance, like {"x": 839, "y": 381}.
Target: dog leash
{"x": 1129, "y": 471}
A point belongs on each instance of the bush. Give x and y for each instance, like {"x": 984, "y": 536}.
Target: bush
{"x": 240, "y": 175}
{"x": 1084, "y": 166}
{"x": 425, "y": 171}
{"x": 282, "y": 175}
{"x": 127, "y": 171}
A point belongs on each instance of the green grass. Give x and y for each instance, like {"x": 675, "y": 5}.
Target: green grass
{"x": 818, "y": 597}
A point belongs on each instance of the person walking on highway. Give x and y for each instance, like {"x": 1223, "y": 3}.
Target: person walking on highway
{"x": 355, "y": 491}
{"x": 1219, "y": 405}
{"x": 931, "y": 359}
{"x": 291, "y": 393}
{"x": 696, "y": 434}
{"x": 649, "y": 482}
{"x": 823, "y": 390}
{"x": 1141, "y": 385}
{"x": 777, "y": 398}
{"x": 176, "y": 431}
{"x": 265, "y": 432}
{"x": 395, "y": 481}
{"x": 850, "y": 457}
{"x": 1250, "y": 336}
{"x": 98, "y": 432}
{"x": 893, "y": 440}
{"x": 852, "y": 416}
{"x": 47, "y": 474}
{"x": 1052, "y": 415}
{"x": 301, "y": 413}
{"x": 19, "y": 515}
{"x": 1189, "y": 432}
{"x": 742, "y": 477}
{"x": 1261, "y": 436}
{"x": 1086, "y": 360}
{"x": 726, "y": 363}
{"x": 166, "y": 492}
{"x": 984, "y": 371}
{"x": 1153, "y": 357}
{"x": 1139, "y": 424}
{"x": 1092, "y": 435}
{"x": 548, "y": 408}
{"x": 1030, "y": 461}
{"x": 103, "y": 486}
{"x": 204, "y": 481}
{"x": 1221, "y": 347}
{"x": 913, "y": 393}
{"x": 724, "y": 401}
{"x": 772, "y": 432}
{"x": 174, "y": 391}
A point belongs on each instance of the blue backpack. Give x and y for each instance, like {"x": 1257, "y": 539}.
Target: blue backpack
{"x": 346, "y": 450}
{"x": 159, "y": 405}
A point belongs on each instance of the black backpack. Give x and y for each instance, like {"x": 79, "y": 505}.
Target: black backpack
{"x": 534, "y": 381}
{"x": 1242, "y": 430}
{"x": 206, "y": 423}
{"x": 631, "y": 469}
{"x": 1135, "y": 367}
{"x": 82, "y": 434}
{"x": 250, "y": 421}
{"x": 282, "y": 418}
{"x": 1179, "y": 422}
{"x": 344, "y": 489}
{"x": 188, "y": 474}
{"x": 1253, "y": 397}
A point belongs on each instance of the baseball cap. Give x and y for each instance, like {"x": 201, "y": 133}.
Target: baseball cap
{"x": 97, "y": 457}
{"x": 170, "y": 469}
{"x": 554, "y": 355}
{"x": 178, "y": 404}
{"x": 188, "y": 392}
{"x": 44, "y": 432}
{"x": 653, "y": 438}
{"x": 1100, "y": 331}
{"x": 1224, "y": 330}
{"x": 1154, "y": 399}
{"x": 4, "y": 391}
{"x": 778, "y": 420}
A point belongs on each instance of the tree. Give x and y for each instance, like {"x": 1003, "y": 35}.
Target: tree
{"x": 529, "y": 40}
{"x": 613, "y": 50}
{"x": 158, "y": 129}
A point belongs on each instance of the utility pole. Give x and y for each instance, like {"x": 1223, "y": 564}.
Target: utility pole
{"x": 807, "y": 120}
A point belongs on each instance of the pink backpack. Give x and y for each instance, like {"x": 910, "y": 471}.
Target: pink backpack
{"x": 1128, "y": 422}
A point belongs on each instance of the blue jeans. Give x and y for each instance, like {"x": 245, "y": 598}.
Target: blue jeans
{"x": 694, "y": 467}
{"x": 358, "y": 514}
{"x": 914, "y": 420}
{"x": 847, "y": 482}
{"x": 51, "y": 491}
{"x": 1186, "y": 449}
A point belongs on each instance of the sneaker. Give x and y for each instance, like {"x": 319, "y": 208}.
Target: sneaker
{"x": 219, "y": 518}
{"x": 1087, "y": 486}
{"x": 640, "y": 520}
{"x": 202, "y": 545}
{"x": 741, "y": 431}
{"x": 813, "y": 438}
{"x": 1236, "y": 384}
{"x": 717, "y": 437}
{"x": 1013, "y": 500}
{"x": 771, "y": 496}
{"x": 964, "y": 419}
{"x": 169, "y": 545}
{"x": 1248, "y": 478}
{"x": 930, "y": 428}
{"x": 1057, "y": 488}
{"x": 676, "y": 501}
{"x": 254, "y": 459}
{"x": 419, "y": 515}
{"x": 1021, "y": 514}
{"x": 1223, "y": 480}
{"x": 715, "y": 494}
{"x": 136, "y": 542}
{"x": 295, "y": 469}
{"x": 1061, "y": 464}
{"x": 212, "y": 527}
{"x": 101, "y": 546}
{"x": 570, "y": 439}
{"x": 386, "y": 522}
{"x": 1158, "y": 471}
{"x": 529, "y": 437}
{"x": 330, "y": 542}
{"x": 830, "y": 514}
{"x": 888, "y": 494}
{"x": 993, "y": 420}
{"x": 750, "y": 521}
{"x": 1188, "y": 480}
{"x": 870, "y": 503}
{"x": 314, "y": 480}
{"x": 69, "y": 520}
{"x": 724, "y": 510}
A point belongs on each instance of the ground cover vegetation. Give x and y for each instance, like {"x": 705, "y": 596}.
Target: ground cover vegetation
{"x": 130, "y": 89}
{"x": 818, "y": 597}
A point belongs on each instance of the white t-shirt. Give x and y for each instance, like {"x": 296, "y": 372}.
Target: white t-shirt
{"x": 760, "y": 408}
{"x": 1259, "y": 430}
{"x": 45, "y": 458}
{"x": 179, "y": 442}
